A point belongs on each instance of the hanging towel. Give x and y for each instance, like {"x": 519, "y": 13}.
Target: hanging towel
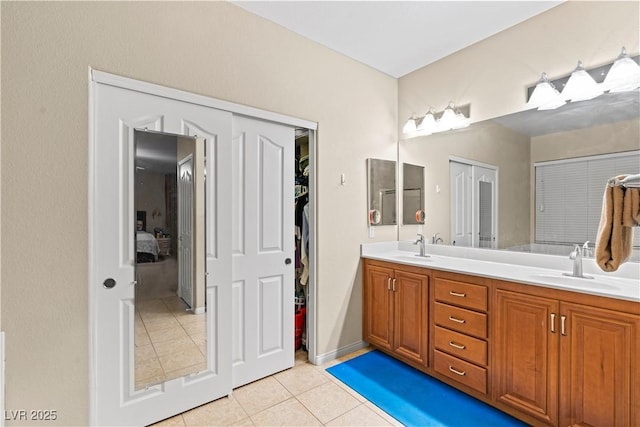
{"x": 614, "y": 241}
{"x": 631, "y": 207}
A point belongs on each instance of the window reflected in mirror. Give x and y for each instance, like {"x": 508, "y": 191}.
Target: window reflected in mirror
{"x": 170, "y": 315}
{"x": 382, "y": 191}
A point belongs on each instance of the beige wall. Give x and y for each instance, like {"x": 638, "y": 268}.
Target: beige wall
{"x": 210, "y": 48}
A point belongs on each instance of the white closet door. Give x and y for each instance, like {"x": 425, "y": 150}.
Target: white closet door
{"x": 116, "y": 113}
{"x": 263, "y": 249}
{"x": 461, "y": 204}
{"x": 485, "y": 207}
{"x": 185, "y": 230}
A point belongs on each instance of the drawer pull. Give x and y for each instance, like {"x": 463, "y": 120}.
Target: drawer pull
{"x": 456, "y": 345}
{"x": 454, "y": 319}
{"x": 455, "y": 371}
{"x": 457, "y": 294}
{"x": 388, "y": 283}
{"x": 562, "y": 325}
{"x": 553, "y": 323}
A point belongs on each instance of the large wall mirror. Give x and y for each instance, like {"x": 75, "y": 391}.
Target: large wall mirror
{"x": 170, "y": 312}
{"x": 516, "y": 145}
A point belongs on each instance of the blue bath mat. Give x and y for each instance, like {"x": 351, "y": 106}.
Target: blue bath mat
{"x": 414, "y": 398}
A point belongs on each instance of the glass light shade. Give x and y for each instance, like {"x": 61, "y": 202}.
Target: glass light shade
{"x": 581, "y": 86}
{"x": 624, "y": 74}
{"x": 461, "y": 121}
{"x": 545, "y": 96}
{"x": 410, "y": 126}
{"x": 448, "y": 119}
{"x": 428, "y": 124}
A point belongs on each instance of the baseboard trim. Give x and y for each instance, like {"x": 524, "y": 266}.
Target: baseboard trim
{"x": 2, "y": 391}
{"x": 342, "y": 351}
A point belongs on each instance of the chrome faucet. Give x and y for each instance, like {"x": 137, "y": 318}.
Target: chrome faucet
{"x": 586, "y": 250}
{"x": 435, "y": 239}
{"x": 421, "y": 242}
{"x": 576, "y": 256}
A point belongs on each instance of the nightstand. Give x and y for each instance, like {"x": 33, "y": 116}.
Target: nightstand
{"x": 165, "y": 245}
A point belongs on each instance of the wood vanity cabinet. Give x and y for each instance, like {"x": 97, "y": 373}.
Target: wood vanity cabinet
{"x": 563, "y": 360}
{"x": 460, "y": 329}
{"x": 395, "y": 310}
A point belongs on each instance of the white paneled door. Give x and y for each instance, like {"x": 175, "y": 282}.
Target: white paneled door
{"x": 116, "y": 112}
{"x": 263, "y": 249}
{"x": 461, "y": 204}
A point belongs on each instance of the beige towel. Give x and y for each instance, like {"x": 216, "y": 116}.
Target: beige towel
{"x": 631, "y": 207}
{"x": 614, "y": 241}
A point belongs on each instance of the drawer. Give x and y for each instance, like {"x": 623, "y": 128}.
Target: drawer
{"x": 461, "y": 294}
{"x": 461, "y": 319}
{"x": 463, "y": 372}
{"x": 461, "y": 345}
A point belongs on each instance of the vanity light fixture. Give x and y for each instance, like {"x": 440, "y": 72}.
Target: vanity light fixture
{"x": 620, "y": 76}
{"x": 410, "y": 126}
{"x": 581, "y": 86}
{"x": 451, "y": 118}
{"x": 545, "y": 96}
{"x": 624, "y": 74}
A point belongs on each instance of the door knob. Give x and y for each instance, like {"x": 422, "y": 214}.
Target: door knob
{"x": 287, "y": 261}
{"x": 109, "y": 283}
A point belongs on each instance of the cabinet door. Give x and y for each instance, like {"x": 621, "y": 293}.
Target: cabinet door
{"x": 599, "y": 376}
{"x": 378, "y": 307}
{"x": 526, "y": 354}
{"x": 410, "y": 325}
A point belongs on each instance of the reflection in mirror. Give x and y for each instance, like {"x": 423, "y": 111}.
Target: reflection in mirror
{"x": 412, "y": 194}
{"x": 514, "y": 144}
{"x": 382, "y": 191}
{"x": 170, "y": 322}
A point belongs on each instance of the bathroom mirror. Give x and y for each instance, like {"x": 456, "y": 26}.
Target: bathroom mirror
{"x": 382, "y": 191}
{"x": 412, "y": 194}
{"x": 514, "y": 143}
{"x": 170, "y": 312}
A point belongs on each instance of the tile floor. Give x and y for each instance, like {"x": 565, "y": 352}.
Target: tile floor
{"x": 305, "y": 395}
{"x": 170, "y": 342}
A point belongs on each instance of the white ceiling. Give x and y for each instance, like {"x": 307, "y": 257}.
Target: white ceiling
{"x": 396, "y": 37}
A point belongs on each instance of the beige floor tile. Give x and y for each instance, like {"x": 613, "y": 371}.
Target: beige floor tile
{"x": 171, "y": 334}
{"x": 142, "y": 383}
{"x": 194, "y": 369}
{"x": 359, "y": 416}
{"x": 243, "y": 423}
{"x": 221, "y": 412}
{"x": 300, "y": 378}
{"x": 172, "y": 346}
{"x": 260, "y": 395}
{"x": 287, "y": 413}
{"x": 176, "y": 421}
{"x": 158, "y": 323}
{"x": 346, "y": 388}
{"x": 187, "y": 356}
{"x": 388, "y": 418}
{"x": 148, "y": 368}
{"x": 195, "y": 328}
{"x": 190, "y": 318}
{"x": 328, "y": 401}
{"x": 141, "y": 338}
{"x": 145, "y": 352}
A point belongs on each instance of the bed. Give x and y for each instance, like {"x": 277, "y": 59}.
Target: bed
{"x": 147, "y": 248}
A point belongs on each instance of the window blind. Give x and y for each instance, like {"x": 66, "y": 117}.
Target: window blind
{"x": 568, "y": 196}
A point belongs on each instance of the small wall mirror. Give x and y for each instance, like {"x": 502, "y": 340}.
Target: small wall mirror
{"x": 412, "y": 194}
{"x": 170, "y": 313}
{"x": 382, "y": 191}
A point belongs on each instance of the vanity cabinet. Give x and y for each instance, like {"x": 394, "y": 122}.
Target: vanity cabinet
{"x": 460, "y": 329}
{"x": 566, "y": 362}
{"x": 396, "y": 310}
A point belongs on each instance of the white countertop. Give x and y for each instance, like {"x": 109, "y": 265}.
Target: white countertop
{"x": 532, "y": 269}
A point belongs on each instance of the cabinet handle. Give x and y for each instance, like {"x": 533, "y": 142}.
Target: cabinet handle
{"x": 455, "y": 371}
{"x": 562, "y": 321}
{"x": 457, "y": 294}
{"x": 453, "y": 319}
{"x": 388, "y": 283}
{"x": 456, "y": 345}
{"x": 393, "y": 286}
{"x": 553, "y": 323}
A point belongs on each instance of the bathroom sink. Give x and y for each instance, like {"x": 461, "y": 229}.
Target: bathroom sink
{"x": 576, "y": 282}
